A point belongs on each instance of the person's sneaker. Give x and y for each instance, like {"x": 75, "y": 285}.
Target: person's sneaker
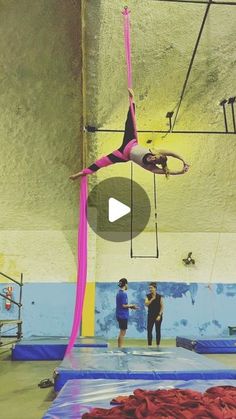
{"x": 45, "y": 383}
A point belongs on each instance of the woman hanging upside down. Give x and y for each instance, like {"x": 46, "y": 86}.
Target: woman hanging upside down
{"x": 131, "y": 150}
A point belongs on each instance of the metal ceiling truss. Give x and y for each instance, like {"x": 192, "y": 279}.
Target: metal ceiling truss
{"x": 174, "y": 113}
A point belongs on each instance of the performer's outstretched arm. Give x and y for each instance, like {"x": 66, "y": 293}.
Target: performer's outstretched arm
{"x": 171, "y": 154}
{"x": 159, "y": 171}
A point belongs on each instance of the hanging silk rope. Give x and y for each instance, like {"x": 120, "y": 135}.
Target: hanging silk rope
{"x": 126, "y": 14}
{"x": 132, "y": 254}
{"x": 82, "y": 231}
{"x": 82, "y": 264}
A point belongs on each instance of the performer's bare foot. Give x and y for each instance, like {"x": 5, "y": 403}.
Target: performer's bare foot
{"x": 131, "y": 93}
{"x": 76, "y": 176}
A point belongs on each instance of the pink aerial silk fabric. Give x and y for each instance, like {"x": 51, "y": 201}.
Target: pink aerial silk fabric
{"x": 82, "y": 263}
{"x": 83, "y": 225}
{"x": 126, "y": 14}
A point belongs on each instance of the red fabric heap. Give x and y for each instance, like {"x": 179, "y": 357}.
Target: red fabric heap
{"x": 216, "y": 403}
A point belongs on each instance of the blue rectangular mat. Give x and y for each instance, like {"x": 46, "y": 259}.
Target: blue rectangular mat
{"x": 219, "y": 345}
{"x": 144, "y": 364}
{"x": 80, "y": 396}
{"x": 38, "y": 349}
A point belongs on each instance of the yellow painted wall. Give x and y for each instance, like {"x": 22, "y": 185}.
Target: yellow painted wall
{"x": 88, "y": 318}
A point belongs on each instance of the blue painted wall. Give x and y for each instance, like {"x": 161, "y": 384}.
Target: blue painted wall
{"x": 190, "y": 309}
{"x": 47, "y": 308}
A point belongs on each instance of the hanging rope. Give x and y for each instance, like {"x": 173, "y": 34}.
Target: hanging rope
{"x": 131, "y": 212}
{"x": 132, "y": 255}
{"x": 155, "y": 206}
{"x": 126, "y": 14}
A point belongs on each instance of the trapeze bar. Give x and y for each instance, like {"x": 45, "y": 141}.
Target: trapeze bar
{"x": 144, "y": 257}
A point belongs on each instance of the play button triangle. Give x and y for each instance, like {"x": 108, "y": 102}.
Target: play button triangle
{"x": 116, "y": 210}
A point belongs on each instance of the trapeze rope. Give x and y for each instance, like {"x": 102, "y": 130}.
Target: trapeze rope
{"x": 132, "y": 255}
{"x": 155, "y": 206}
{"x": 126, "y": 14}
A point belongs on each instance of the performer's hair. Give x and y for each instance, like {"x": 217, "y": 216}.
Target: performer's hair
{"x": 122, "y": 282}
{"x": 163, "y": 163}
{"x": 153, "y": 284}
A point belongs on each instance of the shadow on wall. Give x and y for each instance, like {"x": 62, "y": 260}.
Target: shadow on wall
{"x": 189, "y": 309}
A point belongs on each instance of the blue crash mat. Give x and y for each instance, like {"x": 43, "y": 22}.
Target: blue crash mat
{"x": 165, "y": 364}
{"x": 50, "y": 348}
{"x": 80, "y": 396}
{"x": 220, "y": 345}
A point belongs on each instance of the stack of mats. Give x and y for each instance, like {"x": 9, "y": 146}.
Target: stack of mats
{"x": 219, "y": 345}
{"x": 53, "y": 348}
{"x": 140, "y": 364}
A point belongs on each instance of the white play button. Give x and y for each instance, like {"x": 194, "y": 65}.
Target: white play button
{"x": 116, "y": 210}
{"x": 110, "y": 211}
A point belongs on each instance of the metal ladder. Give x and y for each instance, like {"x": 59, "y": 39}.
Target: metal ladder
{"x": 16, "y": 323}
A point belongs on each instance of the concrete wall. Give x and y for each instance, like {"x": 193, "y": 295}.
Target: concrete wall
{"x": 40, "y": 141}
{"x": 213, "y": 254}
{"x": 41, "y": 125}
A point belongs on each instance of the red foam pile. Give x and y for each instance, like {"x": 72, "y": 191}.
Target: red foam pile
{"x": 216, "y": 403}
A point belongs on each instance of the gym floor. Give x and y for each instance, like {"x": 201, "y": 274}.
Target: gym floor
{"x": 20, "y": 396}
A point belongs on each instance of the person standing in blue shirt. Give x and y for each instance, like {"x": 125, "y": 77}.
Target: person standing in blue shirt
{"x": 122, "y": 309}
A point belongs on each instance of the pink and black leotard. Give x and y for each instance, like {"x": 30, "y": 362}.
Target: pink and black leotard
{"x": 129, "y": 150}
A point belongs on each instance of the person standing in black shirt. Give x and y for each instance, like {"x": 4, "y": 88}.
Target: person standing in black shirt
{"x": 154, "y": 302}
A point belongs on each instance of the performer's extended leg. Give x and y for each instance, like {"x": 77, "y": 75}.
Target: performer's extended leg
{"x": 129, "y": 134}
{"x": 114, "y": 157}
{"x": 117, "y": 156}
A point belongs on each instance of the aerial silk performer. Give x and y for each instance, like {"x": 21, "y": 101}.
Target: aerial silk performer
{"x": 130, "y": 150}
